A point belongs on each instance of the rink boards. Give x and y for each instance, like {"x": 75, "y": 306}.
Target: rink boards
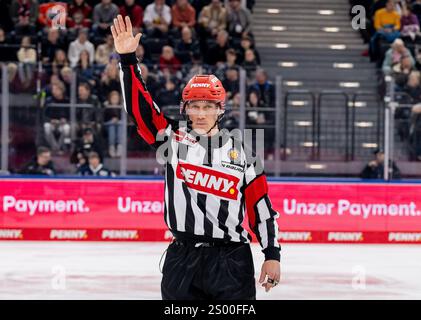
{"x": 335, "y": 211}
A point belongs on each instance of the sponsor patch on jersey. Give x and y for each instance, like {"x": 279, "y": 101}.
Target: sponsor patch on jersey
{"x": 233, "y": 166}
{"x": 185, "y": 138}
{"x": 207, "y": 180}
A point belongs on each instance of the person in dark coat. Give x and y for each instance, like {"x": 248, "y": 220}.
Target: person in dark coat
{"x": 375, "y": 169}
{"x": 41, "y": 164}
{"x": 94, "y": 167}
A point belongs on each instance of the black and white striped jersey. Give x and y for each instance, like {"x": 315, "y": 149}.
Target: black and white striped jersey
{"x": 210, "y": 182}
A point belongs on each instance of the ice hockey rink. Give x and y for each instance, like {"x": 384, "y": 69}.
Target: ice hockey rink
{"x": 124, "y": 270}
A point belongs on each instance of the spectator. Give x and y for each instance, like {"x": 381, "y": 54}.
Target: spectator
{"x": 50, "y": 45}
{"x": 231, "y": 58}
{"x": 157, "y": 18}
{"x": 168, "y": 61}
{"x": 27, "y": 57}
{"x": 246, "y": 44}
{"x": 187, "y": 47}
{"x": 88, "y": 117}
{"x": 112, "y": 122}
{"x": 410, "y": 26}
{"x": 94, "y": 167}
{"x": 213, "y": 18}
{"x": 232, "y": 114}
{"x": 387, "y": 23}
{"x": 415, "y": 133}
{"x": 149, "y": 80}
{"x": 375, "y": 169}
{"x": 83, "y": 146}
{"x": 412, "y": 87}
{"x": 41, "y": 164}
{"x": 264, "y": 89}
{"x": 24, "y": 15}
{"x": 169, "y": 95}
{"x": 57, "y": 128}
{"x": 85, "y": 70}
{"x": 60, "y": 61}
{"x": 66, "y": 75}
{"x": 135, "y": 12}
{"x": 78, "y": 45}
{"x": 250, "y": 63}
{"x": 143, "y": 55}
{"x": 104, "y": 14}
{"x": 194, "y": 67}
{"x": 394, "y": 55}
{"x": 110, "y": 80}
{"x": 104, "y": 51}
{"x": 254, "y": 117}
{"x": 239, "y": 20}
{"x": 183, "y": 14}
{"x": 79, "y": 15}
{"x": 231, "y": 82}
{"x": 402, "y": 70}
{"x": 216, "y": 54}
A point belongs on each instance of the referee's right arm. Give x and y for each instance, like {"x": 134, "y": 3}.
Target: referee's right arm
{"x": 138, "y": 102}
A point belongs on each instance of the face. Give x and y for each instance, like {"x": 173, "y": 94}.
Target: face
{"x": 235, "y": 4}
{"x": 84, "y": 55}
{"x": 106, "y": 2}
{"x": 181, "y": 3}
{"x": 222, "y": 38}
{"x": 44, "y": 158}
{"x": 60, "y": 55}
{"x": 57, "y": 91}
{"x": 88, "y": 137}
{"x": 114, "y": 98}
{"x": 203, "y": 115}
{"x": 83, "y": 37}
{"x": 129, "y": 2}
{"x": 94, "y": 162}
{"x": 390, "y": 6}
{"x": 406, "y": 62}
{"x": 260, "y": 77}
{"x": 380, "y": 157}
{"x": 167, "y": 53}
{"x": 26, "y": 41}
{"x": 83, "y": 92}
{"x": 186, "y": 34}
{"x": 249, "y": 55}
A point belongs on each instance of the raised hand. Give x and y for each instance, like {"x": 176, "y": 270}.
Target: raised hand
{"x": 124, "y": 41}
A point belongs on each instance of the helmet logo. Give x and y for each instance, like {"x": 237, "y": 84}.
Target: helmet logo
{"x": 200, "y": 85}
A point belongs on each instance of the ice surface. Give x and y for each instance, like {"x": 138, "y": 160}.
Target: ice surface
{"x": 124, "y": 270}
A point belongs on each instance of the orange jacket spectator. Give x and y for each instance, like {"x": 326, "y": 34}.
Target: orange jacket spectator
{"x": 183, "y": 14}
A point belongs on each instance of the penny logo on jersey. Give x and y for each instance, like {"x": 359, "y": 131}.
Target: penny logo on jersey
{"x": 208, "y": 181}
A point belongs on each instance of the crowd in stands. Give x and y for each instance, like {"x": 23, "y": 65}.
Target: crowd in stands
{"x": 181, "y": 38}
{"x": 394, "y": 38}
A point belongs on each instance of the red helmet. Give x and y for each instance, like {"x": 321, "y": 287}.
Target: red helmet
{"x": 204, "y": 88}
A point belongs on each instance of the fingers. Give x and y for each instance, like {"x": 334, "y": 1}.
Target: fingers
{"x": 113, "y": 32}
{"x": 129, "y": 25}
{"x": 262, "y": 276}
{"x": 137, "y": 38}
{"x": 117, "y": 27}
{"x": 121, "y": 23}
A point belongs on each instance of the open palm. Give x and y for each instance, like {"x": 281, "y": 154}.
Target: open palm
{"x": 124, "y": 41}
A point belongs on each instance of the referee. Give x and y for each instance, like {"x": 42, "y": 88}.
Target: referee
{"x": 210, "y": 179}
